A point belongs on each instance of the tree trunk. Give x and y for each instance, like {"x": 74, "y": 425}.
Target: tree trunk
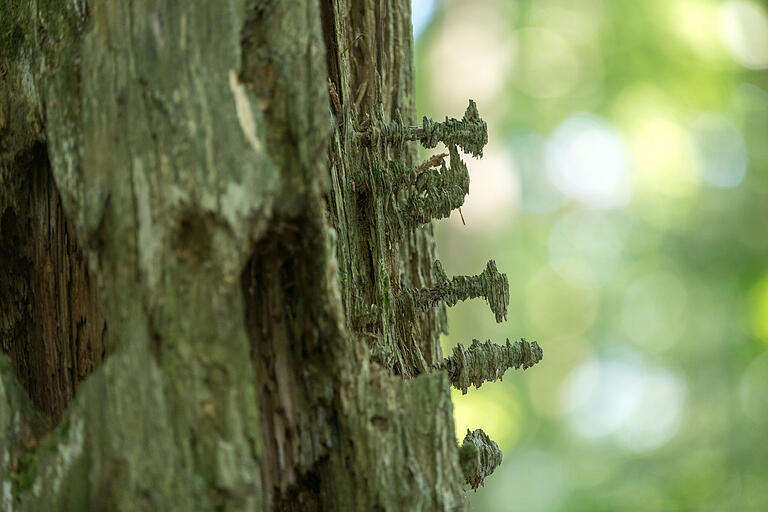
{"x": 218, "y": 287}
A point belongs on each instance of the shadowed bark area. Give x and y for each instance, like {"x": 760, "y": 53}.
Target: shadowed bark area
{"x": 214, "y": 183}
{"x": 51, "y": 325}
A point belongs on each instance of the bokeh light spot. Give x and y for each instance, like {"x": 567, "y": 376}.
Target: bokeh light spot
{"x": 658, "y": 413}
{"x": 662, "y": 156}
{"x": 618, "y": 394}
{"x": 696, "y": 23}
{"x": 744, "y": 30}
{"x": 602, "y": 394}
{"x": 475, "y": 55}
{"x": 588, "y": 161}
{"x": 720, "y": 155}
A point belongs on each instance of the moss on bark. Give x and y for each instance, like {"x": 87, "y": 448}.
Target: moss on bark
{"x": 265, "y": 287}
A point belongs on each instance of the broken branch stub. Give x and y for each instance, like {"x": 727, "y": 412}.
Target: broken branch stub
{"x": 487, "y": 361}
{"x": 436, "y": 193}
{"x": 490, "y": 284}
{"x": 470, "y": 133}
{"x": 479, "y": 456}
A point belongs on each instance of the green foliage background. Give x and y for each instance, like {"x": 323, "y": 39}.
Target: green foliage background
{"x": 649, "y": 295}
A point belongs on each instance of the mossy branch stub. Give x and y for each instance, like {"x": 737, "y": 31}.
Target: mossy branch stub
{"x": 487, "y": 361}
{"x": 470, "y": 133}
{"x": 490, "y": 284}
{"x": 479, "y": 456}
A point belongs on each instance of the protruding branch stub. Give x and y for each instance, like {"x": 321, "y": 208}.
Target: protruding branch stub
{"x": 490, "y": 284}
{"x": 487, "y": 361}
{"x": 436, "y": 193}
{"x": 433, "y": 193}
{"x": 479, "y": 456}
{"x": 470, "y": 133}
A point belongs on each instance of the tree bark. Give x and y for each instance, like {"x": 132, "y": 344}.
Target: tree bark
{"x": 216, "y": 288}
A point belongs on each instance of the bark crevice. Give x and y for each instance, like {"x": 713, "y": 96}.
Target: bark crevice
{"x": 51, "y": 323}
{"x": 296, "y": 348}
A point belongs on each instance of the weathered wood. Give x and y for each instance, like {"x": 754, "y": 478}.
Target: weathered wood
{"x": 51, "y": 324}
{"x": 329, "y": 344}
{"x": 225, "y": 212}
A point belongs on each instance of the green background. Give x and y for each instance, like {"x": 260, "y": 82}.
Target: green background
{"x": 624, "y": 192}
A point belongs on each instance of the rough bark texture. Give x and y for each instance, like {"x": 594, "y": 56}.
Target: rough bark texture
{"x": 204, "y": 212}
{"x": 479, "y": 457}
{"x": 483, "y": 362}
{"x": 50, "y": 314}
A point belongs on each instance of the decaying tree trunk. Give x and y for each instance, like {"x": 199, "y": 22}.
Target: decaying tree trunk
{"x": 218, "y": 285}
